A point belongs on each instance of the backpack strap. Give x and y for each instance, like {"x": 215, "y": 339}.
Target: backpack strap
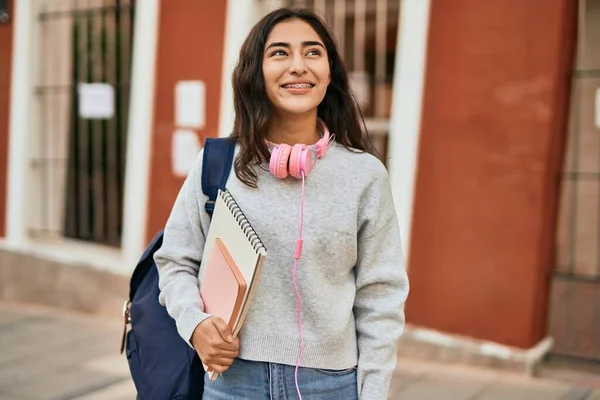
{"x": 216, "y": 165}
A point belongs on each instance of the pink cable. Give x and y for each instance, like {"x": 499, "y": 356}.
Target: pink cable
{"x": 297, "y": 258}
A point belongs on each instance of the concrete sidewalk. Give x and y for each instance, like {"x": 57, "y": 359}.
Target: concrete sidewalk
{"x": 46, "y": 354}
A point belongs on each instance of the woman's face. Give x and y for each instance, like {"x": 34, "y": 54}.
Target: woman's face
{"x": 295, "y": 68}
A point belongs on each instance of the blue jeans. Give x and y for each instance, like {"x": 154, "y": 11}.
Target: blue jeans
{"x": 265, "y": 381}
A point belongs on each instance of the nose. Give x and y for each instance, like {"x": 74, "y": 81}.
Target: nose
{"x": 297, "y": 65}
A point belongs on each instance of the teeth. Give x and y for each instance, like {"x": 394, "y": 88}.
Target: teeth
{"x": 298, "y": 85}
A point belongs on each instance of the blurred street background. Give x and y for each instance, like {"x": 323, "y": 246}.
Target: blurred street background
{"x": 485, "y": 113}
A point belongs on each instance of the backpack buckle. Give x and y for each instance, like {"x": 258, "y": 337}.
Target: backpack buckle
{"x": 126, "y": 312}
{"x": 126, "y": 321}
{"x": 209, "y": 206}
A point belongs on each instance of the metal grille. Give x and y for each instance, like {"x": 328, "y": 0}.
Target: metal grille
{"x": 78, "y": 159}
{"x": 575, "y": 293}
{"x": 366, "y": 32}
{"x": 4, "y": 11}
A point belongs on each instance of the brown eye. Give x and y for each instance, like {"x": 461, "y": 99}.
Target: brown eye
{"x": 278, "y": 53}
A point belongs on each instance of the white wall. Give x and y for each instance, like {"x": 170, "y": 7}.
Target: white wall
{"x": 141, "y": 117}
{"x": 21, "y": 121}
{"x": 405, "y": 124}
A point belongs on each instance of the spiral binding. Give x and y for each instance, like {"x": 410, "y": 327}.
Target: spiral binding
{"x": 242, "y": 221}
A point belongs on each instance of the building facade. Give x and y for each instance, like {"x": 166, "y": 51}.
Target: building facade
{"x": 485, "y": 114}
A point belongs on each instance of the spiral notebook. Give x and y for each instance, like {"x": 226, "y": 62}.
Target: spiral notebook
{"x": 232, "y": 260}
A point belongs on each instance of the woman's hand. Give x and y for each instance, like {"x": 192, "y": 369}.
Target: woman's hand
{"x": 214, "y": 344}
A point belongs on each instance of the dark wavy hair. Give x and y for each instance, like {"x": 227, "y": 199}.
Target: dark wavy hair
{"x": 339, "y": 108}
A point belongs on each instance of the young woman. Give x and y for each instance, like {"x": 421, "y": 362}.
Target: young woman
{"x": 325, "y": 326}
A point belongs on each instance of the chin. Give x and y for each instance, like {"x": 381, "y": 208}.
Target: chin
{"x": 297, "y": 108}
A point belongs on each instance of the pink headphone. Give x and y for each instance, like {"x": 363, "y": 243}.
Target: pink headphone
{"x": 297, "y": 157}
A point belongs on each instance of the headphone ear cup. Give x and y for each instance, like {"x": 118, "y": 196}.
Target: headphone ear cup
{"x": 300, "y": 160}
{"x": 278, "y": 164}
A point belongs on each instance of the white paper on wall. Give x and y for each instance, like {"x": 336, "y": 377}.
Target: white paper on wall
{"x": 185, "y": 149}
{"x": 190, "y": 104}
{"x": 96, "y": 100}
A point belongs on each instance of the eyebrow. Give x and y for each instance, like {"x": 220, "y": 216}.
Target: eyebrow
{"x": 287, "y": 45}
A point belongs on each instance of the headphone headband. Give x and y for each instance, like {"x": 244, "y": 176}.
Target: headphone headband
{"x": 323, "y": 143}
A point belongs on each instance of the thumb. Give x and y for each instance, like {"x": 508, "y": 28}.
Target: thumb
{"x": 223, "y": 329}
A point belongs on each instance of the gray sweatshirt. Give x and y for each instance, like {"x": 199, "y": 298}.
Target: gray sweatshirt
{"x": 351, "y": 275}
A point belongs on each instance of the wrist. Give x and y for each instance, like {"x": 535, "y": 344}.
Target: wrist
{"x": 189, "y": 321}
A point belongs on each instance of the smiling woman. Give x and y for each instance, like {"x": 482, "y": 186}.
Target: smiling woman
{"x": 328, "y": 310}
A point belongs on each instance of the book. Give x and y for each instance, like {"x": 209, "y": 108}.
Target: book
{"x": 232, "y": 261}
{"x": 224, "y": 286}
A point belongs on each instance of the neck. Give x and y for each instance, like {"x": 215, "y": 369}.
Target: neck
{"x": 293, "y": 129}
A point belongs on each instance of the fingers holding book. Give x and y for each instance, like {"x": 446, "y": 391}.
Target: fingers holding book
{"x": 215, "y": 345}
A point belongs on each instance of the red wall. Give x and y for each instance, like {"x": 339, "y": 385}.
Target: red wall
{"x": 190, "y": 47}
{"x": 495, "y": 101}
{"x": 6, "y": 38}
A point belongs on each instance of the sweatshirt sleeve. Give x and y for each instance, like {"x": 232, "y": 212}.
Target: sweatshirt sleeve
{"x": 382, "y": 289}
{"x": 178, "y": 259}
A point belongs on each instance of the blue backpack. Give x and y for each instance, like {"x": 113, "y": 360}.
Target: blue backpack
{"x": 162, "y": 364}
